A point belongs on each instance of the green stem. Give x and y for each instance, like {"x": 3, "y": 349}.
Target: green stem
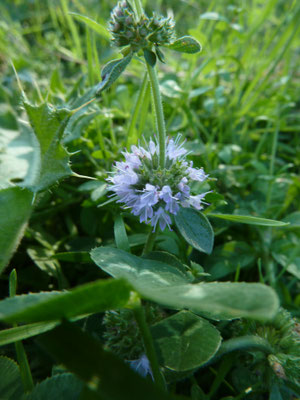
{"x": 150, "y": 242}
{"x": 159, "y": 113}
{"x": 20, "y": 351}
{"x": 139, "y": 314}
{"x": 136, "y": 111}
{"x": 158, "y": 108}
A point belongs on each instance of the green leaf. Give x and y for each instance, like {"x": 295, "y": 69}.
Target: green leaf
{"x": 46, "y": 306}
{"x": 246, "y": 219}
{"x": 221, "y": 300}
{"x": 120, "y": 234}
{"x": 10, "y": 383}
{"x": 21, "y": 332}
{"x": 100, "y": 29}
{"x": 196, "y": 229}
{"x": 105, "y": 373}
{"x": 166, "y": 285}
{"x": 111, "y": 72}
{"x": 143, "y": 273}
{"x": 185, "y": 44}
{"x": 15, "y": 209}
{"x": 62, "y": 386}
{"x": 51, "y": 159}
{"x": 185, "y": 341}
{"x": 160, "y": 55}
{"x": 150, "y": 57}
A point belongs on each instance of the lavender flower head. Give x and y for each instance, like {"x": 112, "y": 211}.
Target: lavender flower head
{"x": 153, "y": 193}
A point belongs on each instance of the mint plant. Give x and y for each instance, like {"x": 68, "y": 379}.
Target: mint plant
{"x": 147, "y": 314}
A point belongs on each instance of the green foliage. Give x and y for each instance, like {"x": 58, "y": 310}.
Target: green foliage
{"x": 10, "y": 384}
{"x": 61, "y": 386}
{"x": 179, "y": 338}
{"x": 103, "y": 372}
{"x": 168, "y": 286}
{"x": 196, "y": 229}
{"x": 15, "y": 209}
{"x": 92, "y": 297}
{"x": 237, "y": 105}
{"x": 185, "y": 44}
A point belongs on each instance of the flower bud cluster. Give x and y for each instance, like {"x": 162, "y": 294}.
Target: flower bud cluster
{"x": 152, "y": 193}
{"x": 127, "y": 30}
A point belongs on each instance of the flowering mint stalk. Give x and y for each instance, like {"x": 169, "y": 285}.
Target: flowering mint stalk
{"x": 153, "y": 193}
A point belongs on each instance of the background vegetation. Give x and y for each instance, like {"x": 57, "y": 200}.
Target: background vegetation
{"x": 236, "y": 103}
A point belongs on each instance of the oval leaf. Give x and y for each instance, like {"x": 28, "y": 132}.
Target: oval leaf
{"x": 150, "y": 57}
{"x": 10, "y": 383}
{"x": 111, "y": 72}
{"x": 247, "y": 219}
{"x": 196, "y": 229}
{"x": 186, "y": 44}
{"x": 179, "y": 338}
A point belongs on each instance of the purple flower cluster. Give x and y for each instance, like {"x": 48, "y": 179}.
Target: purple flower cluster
{"x": 152, "y": 193}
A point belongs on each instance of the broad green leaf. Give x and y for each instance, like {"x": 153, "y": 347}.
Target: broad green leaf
{"x": 111, "y": 72}
{"x": 185, "y": 44}
{"x": 46, "y": 306}
{"x": 100, "y": 29}
{"x": 247, "y": 219}
{"x": 185, "y": 341}
{"x": 196, "y": 229}
{"x": 101, "y": 370}
{"x": 150, "y": 57}
{"x": 11, "y": 387}
{"x": 142, "y": 273}
{"x": 220, "y": 300}
{"x": 21, "y": 332}
{"x": 120, "y": 234}
{"x": 166, "y": 285}
{"x": 62, "y": 386}
{"x": 52, "y": 160}
{"x": 15, "y": 209}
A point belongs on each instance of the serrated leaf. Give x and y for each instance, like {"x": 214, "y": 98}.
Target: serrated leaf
{"x": 166, "y": 285}
{"x": 185, "y": 44}
{"x": 46, "y": 306}
{"x": 196, "y": 229}
{"x": 109, "y": 376}
{"x": 150, "y": 57}
{"x": 98, "y": 28}
{"x": 247, "y": 219}
{"x": 11, "y": 387}
{"x": 111, "y": 72}
{"x": 185, "y": 341}
{"x": 51, "y": 158}
{"x": 15, "y": 210}
{"x": 62, "y": 386}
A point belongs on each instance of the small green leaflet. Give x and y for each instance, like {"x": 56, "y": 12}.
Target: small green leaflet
{"x": 185, "y": 44}
{"x": 111, "y": 72}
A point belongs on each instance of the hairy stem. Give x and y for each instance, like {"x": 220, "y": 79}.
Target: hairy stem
{"x": 139, "y": 314}
{"x": 158, "y": 108}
